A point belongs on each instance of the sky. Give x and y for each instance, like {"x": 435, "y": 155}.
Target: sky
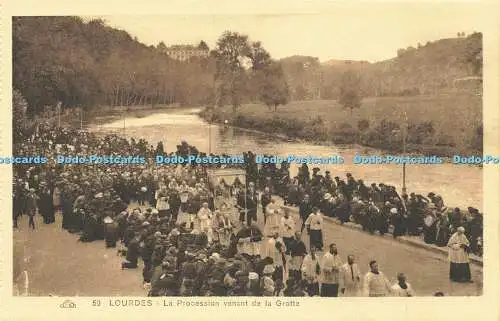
{"x": 372, "y": 32}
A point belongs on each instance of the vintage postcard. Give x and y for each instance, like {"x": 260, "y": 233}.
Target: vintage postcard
{"x": 271, "y": 159}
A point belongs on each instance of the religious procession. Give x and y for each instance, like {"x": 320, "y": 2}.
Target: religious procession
{"x": 223, "y": 230}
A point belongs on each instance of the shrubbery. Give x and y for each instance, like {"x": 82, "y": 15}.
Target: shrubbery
{"x": 386, "y": 135}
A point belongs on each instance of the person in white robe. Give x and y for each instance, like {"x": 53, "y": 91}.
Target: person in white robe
{"x": 458, "y": 246}
{"x": 275, "y": 248}
{"x": 402, "y": 288}
{"x": 330, "y": 269}
{"x": 350, "y": 278}
{"x": 162, "y": 204}
{"x": 314, "y": 225}
{"x": 249, "y": 240}
{"x": 204, "y": 220}
{"x": 375, "y": 283}
{"x": 273, "y": 219}
{"x": 287, "y": 230}
{"x": 311, "y": 271}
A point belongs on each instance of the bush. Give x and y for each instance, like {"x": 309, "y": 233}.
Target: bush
{"x": 419, "y": 134}
{"x": 445, "y": 140}
{"x": 345, "y": 134}
{"x": 477, "y": 139}
{"x": 363, "y": 125}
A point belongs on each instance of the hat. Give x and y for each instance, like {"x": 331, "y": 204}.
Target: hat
{"x": 268, "y": 269}
{"x": 98, "y": 195}
{"x": 253, "y": 276}
{"x": 108, "y": 220}
{"x": 461, "y": 229}
{"x": 146, "y": 223}
{"x": 394, "y": 210}
{"x": 215, "y": 256}
{"x": 157, "y": 234}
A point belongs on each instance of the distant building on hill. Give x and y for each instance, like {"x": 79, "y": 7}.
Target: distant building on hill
{"x": 186, "y": 52}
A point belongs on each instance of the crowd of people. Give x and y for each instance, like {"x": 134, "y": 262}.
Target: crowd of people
{"x": 195, "y": 238}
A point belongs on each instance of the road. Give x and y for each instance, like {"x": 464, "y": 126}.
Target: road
{"x": 59, "y": 265}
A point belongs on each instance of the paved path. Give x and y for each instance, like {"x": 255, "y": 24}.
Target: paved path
{"x": 59, "y": 265}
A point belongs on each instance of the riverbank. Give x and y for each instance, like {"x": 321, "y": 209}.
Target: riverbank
{"x": 439, "y": 125}
{"x": 107, "y": 114}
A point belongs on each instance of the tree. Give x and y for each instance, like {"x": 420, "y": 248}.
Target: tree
{"x": 473, "y": 53}
{"x": 19, "y": 108}
{"x": 274, "y": 89}
{"x": 232, "y": 53}
{"x": 350, "y": 90}
{"x": 161, "y": 46}
{"x": 203, "y": 46}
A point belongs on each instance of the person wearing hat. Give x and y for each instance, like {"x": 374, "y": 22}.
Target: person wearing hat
{"x": 251, "y": 204}
{"x": 133, "y": 252}
{"x": 267, "y": 285}
{"x": 31, "y": 206}
{"x": 254, "y": 284}
{"x": 326, "y": 206}
{"x": 430, "y": 224}
{"x": 458, "y": 248}
{"x": 305, "y": 209}
{"x": 398, "y": 221}
{"x": 456, "y": 219}
{"x": 314, "y": 224}
{"x": 110, "y": 232}
{"x": 265, "y": 200}
{"x": 159, "y": 280}
{"x": 442, "y": 229}
{"x": 46, "y": 207}
{"x": 316, "y": 179}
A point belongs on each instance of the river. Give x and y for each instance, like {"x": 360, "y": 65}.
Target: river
{"x": 460, "y": 185}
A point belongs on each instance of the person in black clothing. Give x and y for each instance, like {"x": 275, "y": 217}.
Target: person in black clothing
{"x": 305, "y": 209}
{"x": 133, "y": 252}
{"x": 264, "y": 201}
{"x": 175, "y": 203}
{"x": 297, "y": 252}
{"x": 46, "y": 206}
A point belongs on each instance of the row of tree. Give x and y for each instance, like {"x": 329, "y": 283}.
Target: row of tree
{"x": 86, "y": 64}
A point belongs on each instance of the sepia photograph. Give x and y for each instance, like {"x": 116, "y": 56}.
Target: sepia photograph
{"x": 333, "y": 154}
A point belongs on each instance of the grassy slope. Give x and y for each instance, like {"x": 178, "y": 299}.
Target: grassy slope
{"x": 454, "y": 116}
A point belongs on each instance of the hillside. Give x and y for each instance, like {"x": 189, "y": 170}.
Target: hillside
{"x": 428, "y": 69}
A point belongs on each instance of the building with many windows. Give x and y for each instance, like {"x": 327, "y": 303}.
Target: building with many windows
{"x": 186, "y": 52}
